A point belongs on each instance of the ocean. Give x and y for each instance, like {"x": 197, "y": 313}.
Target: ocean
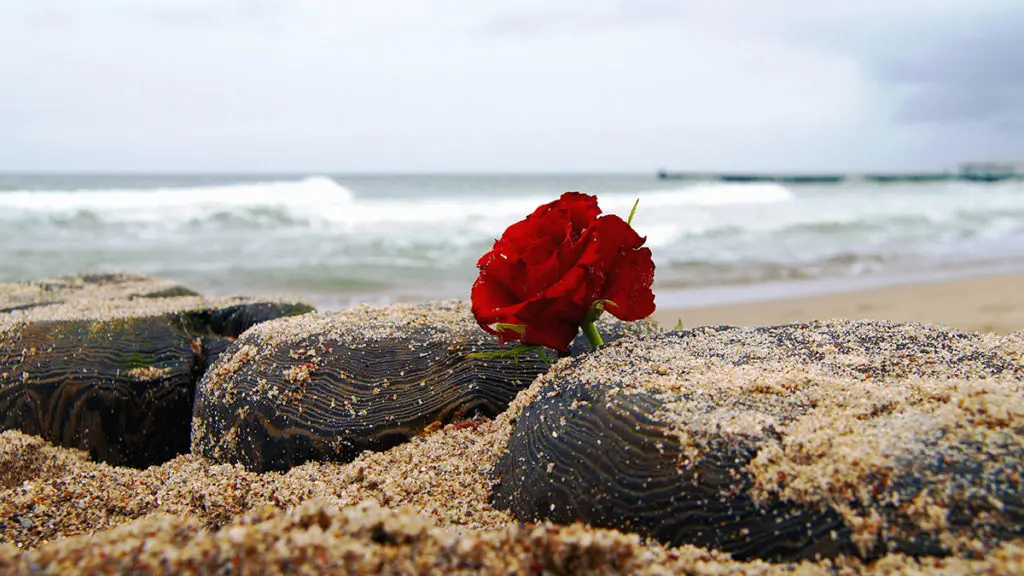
{"x": 338, "y": 240}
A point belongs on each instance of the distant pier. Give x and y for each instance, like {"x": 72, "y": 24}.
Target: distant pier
{"x": 970, "y": 172}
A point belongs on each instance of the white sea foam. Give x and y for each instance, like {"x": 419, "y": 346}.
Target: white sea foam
{"x": 322, "y": 200}
{"x": 178, "y": 202}
{"x": 414, "y": 233}
{"x": 713, "y": 194}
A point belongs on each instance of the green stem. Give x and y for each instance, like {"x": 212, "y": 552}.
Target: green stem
{"x": 592, "y": 335}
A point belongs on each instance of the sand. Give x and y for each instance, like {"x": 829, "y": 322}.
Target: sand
{"x": 83, "y": 289}
{"x": 419, "y": 508}
{"x": 982, "y": 304}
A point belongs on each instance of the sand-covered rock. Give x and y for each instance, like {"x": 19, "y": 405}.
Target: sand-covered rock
{"x": 329, "y": 386}
{"x": 17, "y": 296}
{"x": 841, "y": 438}
{"x": 424, "y": 506}
{"x": 114, "y": 375}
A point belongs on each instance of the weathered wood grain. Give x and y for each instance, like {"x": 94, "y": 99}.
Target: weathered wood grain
{"x": 781, "y": 443}
{"x": 331, "y": 386}
{"x": 118, "y": 385}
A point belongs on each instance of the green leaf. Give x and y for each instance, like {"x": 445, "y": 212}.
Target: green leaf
{"x": 679, "y": 324}
{"x": 544, "y": 356}
{"x": 517, "y": 328}
{"x": 632, "y": 212}
{"x": 514, "y": 352}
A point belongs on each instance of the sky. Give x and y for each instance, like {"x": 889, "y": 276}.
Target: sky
{"x": 529, "y": 85}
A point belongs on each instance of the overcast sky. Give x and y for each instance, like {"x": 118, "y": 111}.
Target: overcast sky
{"x": 537, "y": 85}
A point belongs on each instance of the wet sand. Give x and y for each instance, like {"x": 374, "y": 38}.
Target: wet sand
{"x": 982, "y": 304}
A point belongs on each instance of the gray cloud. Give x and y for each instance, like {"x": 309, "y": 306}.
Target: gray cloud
{"x": 942, "y": 64}
{"x": 970, "y": 72}
{"x": 452, "y": 85}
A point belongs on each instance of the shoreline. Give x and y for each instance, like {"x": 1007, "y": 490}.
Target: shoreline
{"x": 988, "y": 303}
{"x": 977, "y": 300}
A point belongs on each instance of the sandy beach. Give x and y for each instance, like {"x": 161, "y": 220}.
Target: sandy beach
{"x": 426, "y": 507}
{"x": 980, "y": 304}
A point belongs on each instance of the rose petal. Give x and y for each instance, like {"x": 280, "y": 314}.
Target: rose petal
{"x": 490, "y": 293}
{"x": 571, "y": 295}
{"x": 630, "y": 286}
{"x": 611, "y": 230}
{"x": 547, "y": 326}
{"x": 582, "y": 209}
{"x": 511, "y": 273}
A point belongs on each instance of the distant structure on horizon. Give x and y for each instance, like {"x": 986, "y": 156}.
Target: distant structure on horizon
{"x": 969, "y": 172}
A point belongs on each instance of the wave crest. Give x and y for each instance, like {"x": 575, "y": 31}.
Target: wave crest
{"x": 185, "y": 203}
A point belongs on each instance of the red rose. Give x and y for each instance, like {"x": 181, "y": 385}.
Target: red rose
{"x": 547, "y": 271}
